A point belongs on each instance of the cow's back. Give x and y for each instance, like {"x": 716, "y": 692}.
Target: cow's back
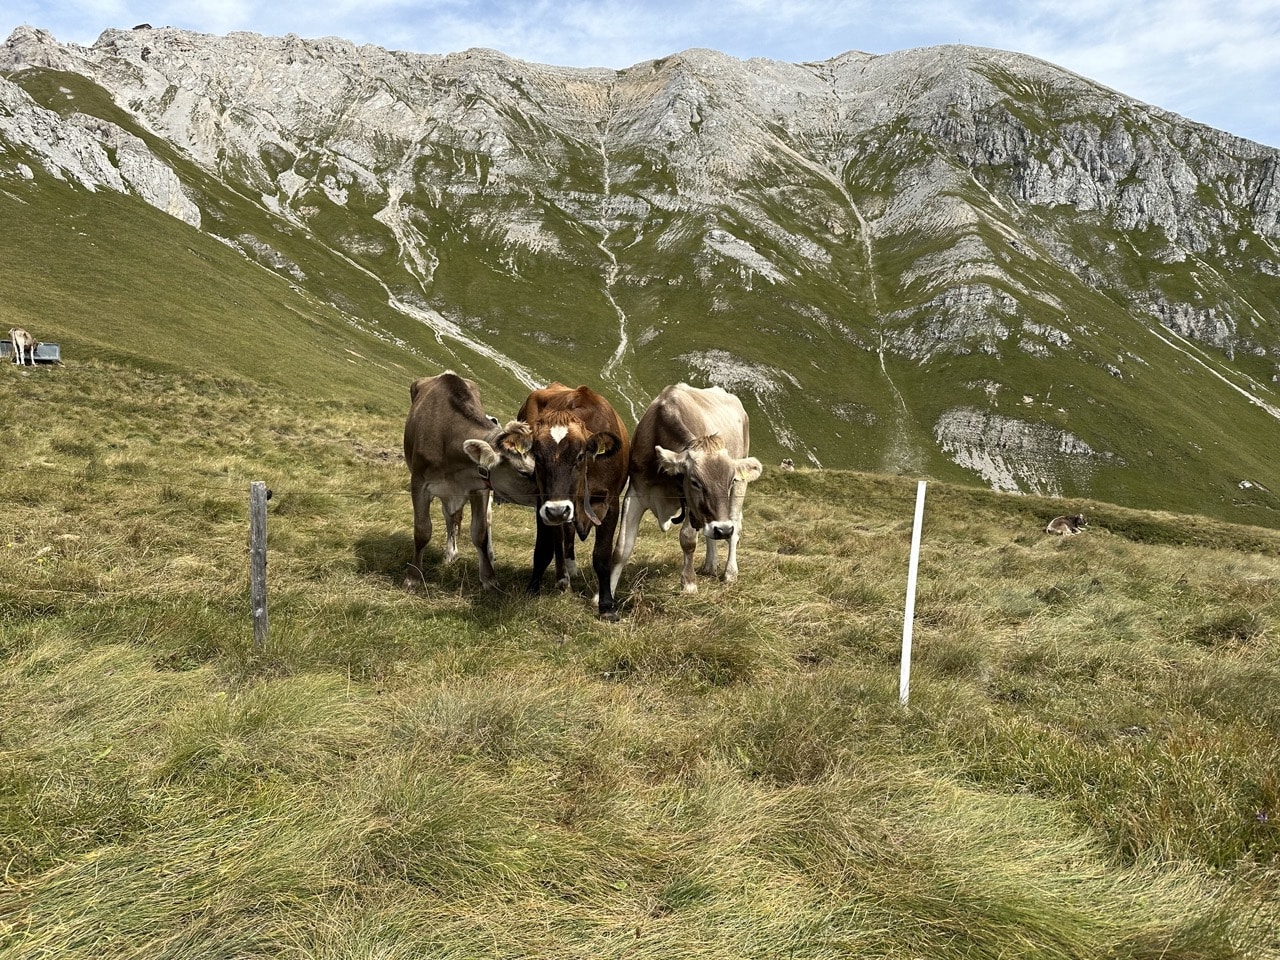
{"x": 681, "y": 414}
{"x": 444, "y": 411}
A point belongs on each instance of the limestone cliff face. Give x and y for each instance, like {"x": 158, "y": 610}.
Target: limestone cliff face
{"x": 92, "y": 152}
{"x": 929, "y": 219}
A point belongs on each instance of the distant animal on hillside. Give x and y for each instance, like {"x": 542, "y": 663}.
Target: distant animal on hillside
{"x": 788, "y": 465}
{"x": 579, "y": 447}
{"x": 23, "y": 344}
{"x": 445, "y": 416}
{"x": 1067, "y": 526}
{"x": 689, "y": 463}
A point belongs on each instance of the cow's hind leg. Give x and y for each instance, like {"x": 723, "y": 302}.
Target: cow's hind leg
{"x": 628, "y": 526}
{"x": 421, "y": 496}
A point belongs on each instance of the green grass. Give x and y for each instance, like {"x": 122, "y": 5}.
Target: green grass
{"x": 1087, "y": 767}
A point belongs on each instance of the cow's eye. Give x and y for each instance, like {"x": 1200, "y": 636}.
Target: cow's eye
{"x": 695, "y": 484}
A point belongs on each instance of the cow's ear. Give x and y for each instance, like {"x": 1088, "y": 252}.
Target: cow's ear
{"x": 516, "y": 437}
{"x": 481, "y": 453}
{"x": 670, "y": 462}
{"x": 604, "y": 444}
{"x": 748, "y": 469}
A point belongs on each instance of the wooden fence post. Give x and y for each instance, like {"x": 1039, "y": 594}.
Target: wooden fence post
{"x": 258, "y": 497}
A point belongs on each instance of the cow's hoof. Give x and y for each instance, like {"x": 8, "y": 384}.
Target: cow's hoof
{"x": 563, "y": 585}
{"x": 413, "y": 582}
{"x": 609, "y": 616}
{"x": 689, "y": 588}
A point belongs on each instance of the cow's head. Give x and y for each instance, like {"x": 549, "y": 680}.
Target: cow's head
{"x": 504, "y": 462}
{"x": 564, "y": 452}
{"x": 708, "y": 476}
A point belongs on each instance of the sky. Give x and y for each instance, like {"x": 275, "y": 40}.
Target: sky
{"x": 1213, "y": 61}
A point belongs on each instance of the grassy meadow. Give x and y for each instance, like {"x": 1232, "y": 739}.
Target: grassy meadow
{"x": 1089, "y": 766}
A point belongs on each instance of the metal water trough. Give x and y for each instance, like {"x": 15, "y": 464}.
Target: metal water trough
{"x": 45, "y": 352}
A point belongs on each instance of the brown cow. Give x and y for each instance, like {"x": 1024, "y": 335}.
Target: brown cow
{"x": 23, "y": 343}
{"x": 579, "y": 447}
{"x": 1067, "y": 526}
{"x": 445, "y": 413}
{"x": 689, "y": 462}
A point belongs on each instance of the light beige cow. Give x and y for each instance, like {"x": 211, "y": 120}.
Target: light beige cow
{"x": 24, "y": 345}
{"x": 689, "y": 465}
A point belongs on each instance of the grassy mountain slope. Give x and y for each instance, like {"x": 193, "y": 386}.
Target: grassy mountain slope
{"x": 1087, "y": 766}
{"x": 952, "y": 262}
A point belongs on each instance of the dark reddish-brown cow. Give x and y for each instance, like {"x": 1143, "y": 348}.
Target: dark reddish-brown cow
{"x": 579, "y": 448}
{"x": 445, "y": 417}
{"x": 689, "y": 462}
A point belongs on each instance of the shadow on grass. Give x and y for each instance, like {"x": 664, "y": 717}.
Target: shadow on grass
{"x": 385, "y": 556}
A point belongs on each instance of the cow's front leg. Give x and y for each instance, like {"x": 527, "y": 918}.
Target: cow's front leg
{"x": 566, "y": 564}
{"x": 601, "y": 557}
{"x": 544, "y": 550}
{"x": 689, "y": 543}
{"x": 482, "y": 537}
{"x": 731, "y": 564}
{"x": 738, "y": 496}
{"x": 453, "y": 507}
{"x": 712, "y": 558}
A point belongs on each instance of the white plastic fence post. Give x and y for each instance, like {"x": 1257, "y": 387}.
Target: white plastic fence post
{"x": 904, "y": 680}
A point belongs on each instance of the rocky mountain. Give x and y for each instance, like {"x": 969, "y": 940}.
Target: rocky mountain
{"x": 949, "y": 261}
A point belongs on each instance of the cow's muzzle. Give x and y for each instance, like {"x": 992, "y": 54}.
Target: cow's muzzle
{"x": 557, "y": 512}
{"x": 720, "y": 530}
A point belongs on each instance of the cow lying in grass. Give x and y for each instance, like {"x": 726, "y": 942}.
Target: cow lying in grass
{"x": 1067, "y": 526}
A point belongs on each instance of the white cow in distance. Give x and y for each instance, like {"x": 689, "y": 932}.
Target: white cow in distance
{"x": 23, "y": 344}
{"x": 1067, "y": 526}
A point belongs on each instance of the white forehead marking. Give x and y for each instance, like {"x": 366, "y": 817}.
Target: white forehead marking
{"x": 558, "y": 433}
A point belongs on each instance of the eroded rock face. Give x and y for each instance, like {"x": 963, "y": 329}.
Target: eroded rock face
{"x": 1017, "y": 456}
{"x": 92, "y": 152}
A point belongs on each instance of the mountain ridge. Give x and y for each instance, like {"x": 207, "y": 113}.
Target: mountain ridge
{"x": 949, "y": 260}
